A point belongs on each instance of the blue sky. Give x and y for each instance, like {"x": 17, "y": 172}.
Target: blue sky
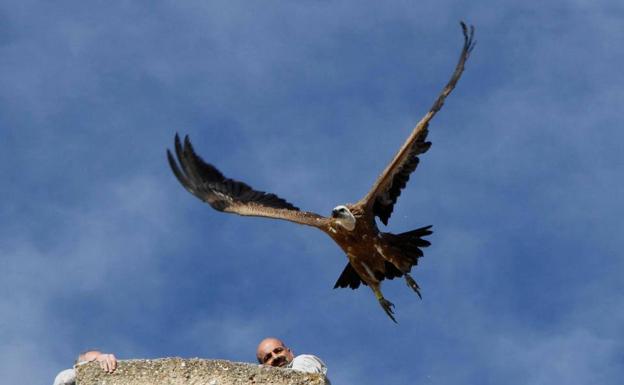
{"x": 100, "y": 247}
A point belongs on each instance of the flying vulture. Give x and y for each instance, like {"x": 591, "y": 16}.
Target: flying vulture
{"x": 373, "y": 255}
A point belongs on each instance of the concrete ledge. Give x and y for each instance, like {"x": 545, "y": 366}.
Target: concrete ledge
{"x": 195, "y": 371}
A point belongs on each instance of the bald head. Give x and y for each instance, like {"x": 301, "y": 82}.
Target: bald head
{"x": 272, "y": 351}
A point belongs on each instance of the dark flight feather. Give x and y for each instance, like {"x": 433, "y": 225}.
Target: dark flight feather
{"x": 350, "y": 278}
{"x": 384, "y": 203}
{"x": 208, "y": 184}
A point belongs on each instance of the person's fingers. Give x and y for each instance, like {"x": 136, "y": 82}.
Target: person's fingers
{"x": 113, "y": 363}
{"x": 108, "y": 362}
{"x": 103, "y": 364}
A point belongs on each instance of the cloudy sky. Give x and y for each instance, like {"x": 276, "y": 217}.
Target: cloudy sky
{"x": 100, "y": 247}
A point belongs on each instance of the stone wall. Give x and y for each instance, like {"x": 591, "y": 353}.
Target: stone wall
{"x": 178, "y": 371}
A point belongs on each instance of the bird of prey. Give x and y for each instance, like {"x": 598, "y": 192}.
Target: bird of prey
{"x": 373, "y": 255}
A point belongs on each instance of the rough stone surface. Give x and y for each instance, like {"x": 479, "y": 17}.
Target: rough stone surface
{"x": 195, "y": 371}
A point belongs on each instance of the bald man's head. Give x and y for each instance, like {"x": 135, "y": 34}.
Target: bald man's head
{"x": 273, "y": 352}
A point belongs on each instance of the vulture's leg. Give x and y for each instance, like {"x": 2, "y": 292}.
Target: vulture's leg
{"x": 411, "y": 283}
{"x": 385, "y": 304}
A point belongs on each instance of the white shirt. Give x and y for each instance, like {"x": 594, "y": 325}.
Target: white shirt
{"x": 66, "y": 377}
{"x": 309, "y": 364}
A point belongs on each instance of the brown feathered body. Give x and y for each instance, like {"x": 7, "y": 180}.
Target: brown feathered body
{"x": 374, "y": 255}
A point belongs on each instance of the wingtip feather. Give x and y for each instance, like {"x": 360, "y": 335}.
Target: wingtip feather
{"x": 178, "y": 174}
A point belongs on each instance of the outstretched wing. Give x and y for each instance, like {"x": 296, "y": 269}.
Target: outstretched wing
{"x": 384, "y": 193}
{"x": 208, "y": 184}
